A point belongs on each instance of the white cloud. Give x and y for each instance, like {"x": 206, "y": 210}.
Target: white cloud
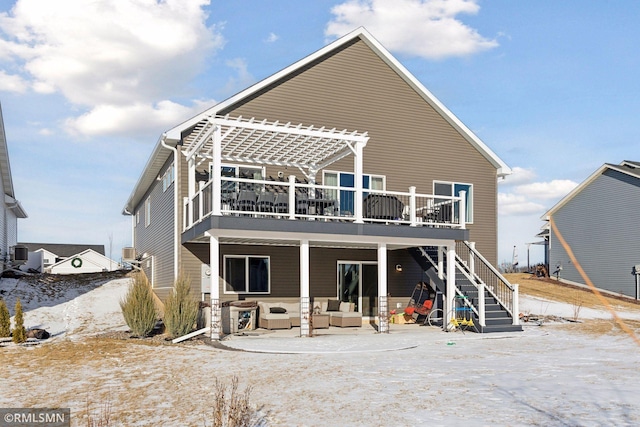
{"x": 518, "y": 176}
{"x": 555, "y": 189}
{"x": 12, "y": 83}
{"x": 517, "y": 204}
{"x": 243, "y": 77}
{"x": 424, "y": 28}
{"x": 108, "y": 54}
{"x": 133, "y": 118}
{"x": 272, "y": 38}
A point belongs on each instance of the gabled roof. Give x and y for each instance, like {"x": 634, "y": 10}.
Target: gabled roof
{"x": 63, "y": 249}
{"x": 173, "y": 136}
{"x": 627, "y": 167}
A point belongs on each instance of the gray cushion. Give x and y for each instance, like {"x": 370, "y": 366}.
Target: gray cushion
{"x": 333, "y": 305}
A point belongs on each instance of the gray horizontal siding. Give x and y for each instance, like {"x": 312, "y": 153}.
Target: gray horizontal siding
{"x": 157, "y": 239}
{"x": 600, "y": 224}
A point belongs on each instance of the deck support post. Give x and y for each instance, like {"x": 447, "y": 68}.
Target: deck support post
{"x": 383, "y": 303}
{"x": 216, "y": 309}
{"x": 304, "y": 288}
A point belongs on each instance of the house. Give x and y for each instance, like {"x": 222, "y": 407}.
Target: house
{"x": 11, "y": 207}
{"x": 44, "y": 255}
{"x": 339, "y": 177}
{"x": 87, "y": 261}
{"x": 598, "y": 220}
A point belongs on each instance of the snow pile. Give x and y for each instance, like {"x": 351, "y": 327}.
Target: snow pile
{"x": 68, "y": 306}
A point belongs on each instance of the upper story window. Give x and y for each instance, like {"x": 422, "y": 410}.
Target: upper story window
{"x": 168, "y": 178}
{"x": 444, "y": 188}
{"x": 147, "y": 211}
{"x": 237, "y": 171}
{"x": 246, "y": 274}
{"x": 347, "y": 179}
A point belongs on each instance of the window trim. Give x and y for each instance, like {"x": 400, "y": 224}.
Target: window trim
{"x": 469, "y": 202}
{"x": 168, "y": 178}
{"x": 369, "y": 175}
{"x": 246, "y": 266}
{"x": 147, "y": 212}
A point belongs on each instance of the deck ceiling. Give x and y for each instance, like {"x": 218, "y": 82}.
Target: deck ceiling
{"x": 252, "y": 141}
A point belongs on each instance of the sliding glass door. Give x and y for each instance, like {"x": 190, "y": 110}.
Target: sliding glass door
{"x": 358, "y": 284}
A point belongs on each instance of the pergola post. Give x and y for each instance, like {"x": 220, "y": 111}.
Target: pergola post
{"x": 383, "y": 303}
{"x": 304, "y": 288}
{"x": 358, "y": 172}
{"x": 216, "y": 310}
{"x": 216, "y": 172}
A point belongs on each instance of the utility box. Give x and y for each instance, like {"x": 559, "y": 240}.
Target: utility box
{"x": 205, "y": 279}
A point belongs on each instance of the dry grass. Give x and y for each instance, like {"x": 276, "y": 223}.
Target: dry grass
{"x": 556, "y": 291}
{"x": 578, "y": 298}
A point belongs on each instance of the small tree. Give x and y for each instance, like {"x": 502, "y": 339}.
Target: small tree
{"x": 138, "y": 307}
{"x": 180, "y": 309}
{"x": 5, "y": 320}
{"x": 19, "y": 333}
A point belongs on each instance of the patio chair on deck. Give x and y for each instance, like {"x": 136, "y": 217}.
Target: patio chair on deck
{"x": 246, "y": 201}
{"x": 281, "y": 204}
{"x": 266, "y": 200}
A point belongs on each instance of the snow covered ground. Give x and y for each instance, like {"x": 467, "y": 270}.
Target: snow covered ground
{"x": 557, "y": 374}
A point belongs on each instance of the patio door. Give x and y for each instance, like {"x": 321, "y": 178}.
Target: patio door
{"x": 358, "y": 283}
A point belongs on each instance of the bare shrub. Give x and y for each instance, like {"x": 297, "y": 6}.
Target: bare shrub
{"x": 138, "y": 307}
{"x": 234, "y": 410}
{"x": 576, "y": 305}
{"x": 19, "y": 334}
{"x": 5, "y": 320}
{"x": 180, "y": 309}
{"x": 103, "y": 418}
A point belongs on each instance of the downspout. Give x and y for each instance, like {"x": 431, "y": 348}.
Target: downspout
{"x": 176, "y": 205}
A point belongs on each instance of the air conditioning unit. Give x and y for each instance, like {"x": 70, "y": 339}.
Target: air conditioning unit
{"x": 20, "y": 254}
{"x": 128, "y": 254}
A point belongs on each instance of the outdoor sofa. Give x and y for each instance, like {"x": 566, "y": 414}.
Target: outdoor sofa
{"x": 341, "y": 314}
{"x": 279, "y": 315}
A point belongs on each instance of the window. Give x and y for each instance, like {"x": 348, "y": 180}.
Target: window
{"x": 251, "y": 172}
{"x": 443, "y": 188}
{"x": 168, "y": 177}
{"x": 147, "y": 212}
{"x": 347, "y": 179}
{"x": 246, "y": 274}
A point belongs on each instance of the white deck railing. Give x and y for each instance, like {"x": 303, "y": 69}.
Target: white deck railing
{"x": 304, "y": 201}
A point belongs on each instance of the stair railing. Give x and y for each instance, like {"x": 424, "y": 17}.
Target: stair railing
{"x": 504, "y": 292}
{"x": 479, "y": 311}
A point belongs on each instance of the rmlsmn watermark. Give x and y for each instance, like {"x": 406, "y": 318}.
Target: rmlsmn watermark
{"x": 35, "y": 417}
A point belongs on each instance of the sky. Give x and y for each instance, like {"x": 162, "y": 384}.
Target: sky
{"x": 87, "y": 88}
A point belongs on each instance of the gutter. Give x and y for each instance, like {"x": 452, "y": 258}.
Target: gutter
{"x": 176, "y": 205}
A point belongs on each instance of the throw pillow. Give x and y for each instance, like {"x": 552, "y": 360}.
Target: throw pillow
{"x": 278, "y": 310}
{"x": 333, "y": 305}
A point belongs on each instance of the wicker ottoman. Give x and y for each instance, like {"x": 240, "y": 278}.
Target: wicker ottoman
{"x": 346, "y": 319}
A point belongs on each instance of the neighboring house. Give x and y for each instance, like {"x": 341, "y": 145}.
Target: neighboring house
{"x": 87, "y": 261}
{"x": 53, "y": 253}
{"x": 340, "y": 176}
{"x": 599, "y": 222}
{"x": 11, "y": 208}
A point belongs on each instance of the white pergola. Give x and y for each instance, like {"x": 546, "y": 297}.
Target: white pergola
{"x": 219, "y": 139}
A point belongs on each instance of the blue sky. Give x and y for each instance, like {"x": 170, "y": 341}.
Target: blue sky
{"x": 87, "y": 88}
